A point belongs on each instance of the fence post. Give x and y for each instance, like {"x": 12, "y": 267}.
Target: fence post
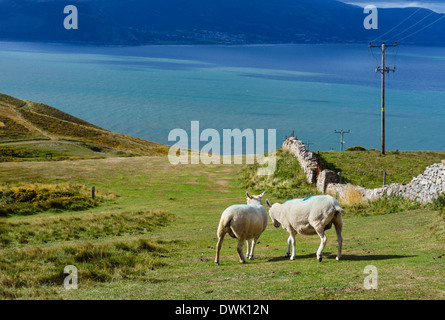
{"x": 93, "y": 193}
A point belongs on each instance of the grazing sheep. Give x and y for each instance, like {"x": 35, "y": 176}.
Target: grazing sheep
{"x": 245, "y": 222}
{"x": 309, "y": 216}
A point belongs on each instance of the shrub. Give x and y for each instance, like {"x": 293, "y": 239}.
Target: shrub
{"x": 439, "y": 203}
{"x": 13, "y": 153}
{"x": 357, "y": 148}
{"x": 12, "y": 130}
{"x": 28, "y": 201}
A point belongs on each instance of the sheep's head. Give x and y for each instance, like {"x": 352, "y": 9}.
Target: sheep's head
{"x": 254, "y": 199}
{"x": 273, "y": 213}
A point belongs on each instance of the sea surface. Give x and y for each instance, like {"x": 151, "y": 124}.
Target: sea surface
{"x": 313, "y": 90}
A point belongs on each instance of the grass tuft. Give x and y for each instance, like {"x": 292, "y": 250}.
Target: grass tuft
{"x": 382, "y": 206}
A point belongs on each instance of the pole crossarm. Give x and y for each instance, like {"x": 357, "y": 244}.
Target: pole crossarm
{"x": 386, "y": 45}
{"x": 342, "y": 132}
{"x": 386, "y": 69}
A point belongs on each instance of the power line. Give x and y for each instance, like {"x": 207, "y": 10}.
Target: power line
{"x": 397, "y": 25}
{"x": 411, "y": 26}
{"x": 423, "y": 28}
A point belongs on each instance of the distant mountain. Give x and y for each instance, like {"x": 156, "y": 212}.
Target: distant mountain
{"x": 132, "y": 22}
{"x": 43, "y": 21}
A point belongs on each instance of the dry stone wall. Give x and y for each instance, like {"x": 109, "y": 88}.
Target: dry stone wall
{"x": 424, "y": 188}
{"x": 306, "y": 158}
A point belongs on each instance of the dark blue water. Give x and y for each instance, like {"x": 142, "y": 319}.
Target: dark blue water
{"x": 312, "y": 89}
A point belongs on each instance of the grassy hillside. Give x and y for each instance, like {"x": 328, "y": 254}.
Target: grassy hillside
{"x": 156, "y": 240}
{"x": 153, "y": 235}
{"x": 32, "y": 130}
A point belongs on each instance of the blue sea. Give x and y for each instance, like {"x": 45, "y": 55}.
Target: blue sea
{"x": 313, "y": 90}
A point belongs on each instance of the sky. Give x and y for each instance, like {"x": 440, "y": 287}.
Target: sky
{"x": 435, "y": 5}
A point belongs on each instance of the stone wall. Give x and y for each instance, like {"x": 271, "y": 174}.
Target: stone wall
{"x": 325, "y": 178}
{"x": 306, "y": 158}
{"x": 424, "y": 188}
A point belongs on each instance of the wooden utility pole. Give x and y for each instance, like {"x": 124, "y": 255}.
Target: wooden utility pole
{"x": 342, "y": 132}
{"x": 383, "y": 69}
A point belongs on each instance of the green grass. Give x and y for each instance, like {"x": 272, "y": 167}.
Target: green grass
{"x": 365, "y": 168}
{"x": 155, "y": 236}
{"x": 383, "y": 206}
{"x": 81, "y": 227}
{"x": 287, "y": 182}
{"x": 156, "y": 240}
{"x": 60, "y": 150}
{"x": 42, "y": 268}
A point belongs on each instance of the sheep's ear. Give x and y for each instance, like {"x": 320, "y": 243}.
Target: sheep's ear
{"x": 248, "y": 195}
{"x": 268, "y": 203}
{"x": 261, "y": 195}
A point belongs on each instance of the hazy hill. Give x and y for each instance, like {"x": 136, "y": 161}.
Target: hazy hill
{"x": 206, "y": 21}
{"x": 41, "y": 127}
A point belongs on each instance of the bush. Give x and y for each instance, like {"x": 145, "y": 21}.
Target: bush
{"x": 357, "y": 148}
{"x": 28, "y": 201}
{"x": 439, "y": 203}
{"x": 13, "y": 153}
{"x": 12, "y": 130}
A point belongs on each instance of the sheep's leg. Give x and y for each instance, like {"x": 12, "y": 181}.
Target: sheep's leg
{"x": 338, "y": 223}
{"x": 289, "y": 240}
{"x": 239, "y": 248}
{"x": 252, "y": 248}
{"x": 322, "y": 244}
{"x": 218, "y": 247}
{"x": 292, "y": 241}
{"x": 249, "y": 249}
{"x": 292, "y": 257}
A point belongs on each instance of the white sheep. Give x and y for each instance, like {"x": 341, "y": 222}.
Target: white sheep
{"x": 245, "y": 222}
{"x": 308, "y": 216}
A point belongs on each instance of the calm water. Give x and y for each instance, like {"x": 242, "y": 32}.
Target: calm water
{"x": 312, "y": 89}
